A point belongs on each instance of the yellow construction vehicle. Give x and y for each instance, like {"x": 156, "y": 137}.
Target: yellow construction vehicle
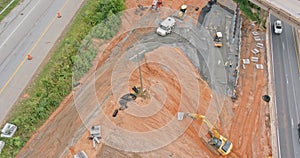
{"x": 218, "y": 39}
{"x": 217, "y": 141}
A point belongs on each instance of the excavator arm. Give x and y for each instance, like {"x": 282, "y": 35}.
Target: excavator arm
{"x": 219, "y": 142}
{"x": 210, "y": 126}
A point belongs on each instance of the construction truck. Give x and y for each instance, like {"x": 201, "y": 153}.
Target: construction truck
{"x": 180, "y": 15}
{"x": 218, "y": 39}
{"x": 221, "y": 144}
{"x": 166, "y": 26}
{"x": 156, "y": 4}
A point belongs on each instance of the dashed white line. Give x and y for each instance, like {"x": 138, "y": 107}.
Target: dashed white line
{"x": 9, "y": 36}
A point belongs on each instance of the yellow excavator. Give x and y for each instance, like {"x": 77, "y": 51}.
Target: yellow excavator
{"x": 221, "y": 144}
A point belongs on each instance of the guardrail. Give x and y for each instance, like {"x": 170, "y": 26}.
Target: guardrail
{"x": 291, "y": 19}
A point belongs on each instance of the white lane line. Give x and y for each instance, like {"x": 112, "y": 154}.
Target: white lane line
{"x": 8, "y": 37}
{"x": 292, "y": 80}
{"x": 3, "y": 10}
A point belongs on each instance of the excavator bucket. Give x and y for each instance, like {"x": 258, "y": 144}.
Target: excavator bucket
{"x": 180, "y": 116}
{"x": 218, "y": 44}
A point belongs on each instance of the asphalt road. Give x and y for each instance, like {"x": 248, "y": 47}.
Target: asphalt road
{"x": 31, "y": 28}
{"x": 291, "y": 6}
{"x": 287, "y": 89}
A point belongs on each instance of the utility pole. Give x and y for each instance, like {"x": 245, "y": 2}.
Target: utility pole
{"x": 137, "y": 56}
{"x": 140, "y": 71}
{"x": 141, "y": 80}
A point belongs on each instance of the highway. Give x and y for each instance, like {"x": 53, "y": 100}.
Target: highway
{"x": 287, "y": 89}
{"x": 290, "y": 6}
{"x": 31, "y": 28}
{"x": 286, "y": 9}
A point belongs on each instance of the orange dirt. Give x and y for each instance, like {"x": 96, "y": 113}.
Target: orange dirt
{"x": 173, "y": 85}
{"x": 250, "y": 130}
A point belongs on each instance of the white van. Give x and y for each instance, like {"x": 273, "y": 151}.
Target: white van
{"x": 166, "y": 26}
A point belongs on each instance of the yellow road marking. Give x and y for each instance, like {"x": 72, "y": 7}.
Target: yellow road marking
{"x": 31, "y": 50}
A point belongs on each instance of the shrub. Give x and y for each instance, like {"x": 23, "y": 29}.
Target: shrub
{"x": 54, "y": 81}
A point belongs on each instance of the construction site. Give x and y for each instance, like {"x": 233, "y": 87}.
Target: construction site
{"x": 192, "y": 89}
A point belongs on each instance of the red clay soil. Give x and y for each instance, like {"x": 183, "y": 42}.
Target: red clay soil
{"x": 246, "y": 126}
{"x": 174, "y": 4}
{"x": 250, "y": 130}
{"x": 187, "y": 145}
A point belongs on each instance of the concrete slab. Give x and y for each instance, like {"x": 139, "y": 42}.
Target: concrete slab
{"x": 95, "y": 131}
{"x": 259, "y": 66}
{"x": 2, "y": 144}
{"x": 255, "y": 33}
{"x": 254, "y": 59}
{"x": 8, "y": 130}
{"x": 260, "y": 45}
{"x": 246, "y": 61}
{"x": 255, "y": 51}
{"x": 256, "y": 38}
{"x": 81, "y": 154}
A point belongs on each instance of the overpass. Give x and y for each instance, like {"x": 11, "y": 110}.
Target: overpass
{"x": 289, "y": 10}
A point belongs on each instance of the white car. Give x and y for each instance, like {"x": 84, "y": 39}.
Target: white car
{"x": 277, "y": 27}
{"x": 166, "y": 26}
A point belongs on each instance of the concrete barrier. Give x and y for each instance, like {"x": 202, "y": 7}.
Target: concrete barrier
{"x": 271, "y": 91}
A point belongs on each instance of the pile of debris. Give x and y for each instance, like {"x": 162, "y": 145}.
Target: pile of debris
{"x": 95, "y": 135}
{"x": 8, "y": 131}
{"x": 125, "y": 99}
{"x": 81, "y": 154}
{"x": 1, "y": 146}
{"x": 258, "y": 48}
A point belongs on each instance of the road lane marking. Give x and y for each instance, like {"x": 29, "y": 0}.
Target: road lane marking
{"x": 9, "y": 36}
{"x": 297, "y": 52}
{"x": 31, "y": 50}
{"x": 3, "y": 10}
{"x": 294, "y": 93}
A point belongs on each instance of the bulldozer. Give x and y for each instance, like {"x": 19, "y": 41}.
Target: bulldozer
{"x": 218, "y": 39}
{"x": 221, "y": 144}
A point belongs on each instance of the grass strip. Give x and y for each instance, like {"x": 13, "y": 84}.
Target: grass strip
{"x": 54, "y": 82}
{"x": 247, "y": 7}
{"x": 3, "y": 4}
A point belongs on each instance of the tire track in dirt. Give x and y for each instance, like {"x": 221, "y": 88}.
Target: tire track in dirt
{"x": 249, "y": 129}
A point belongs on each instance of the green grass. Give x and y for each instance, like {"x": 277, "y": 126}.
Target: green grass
{"x": 3, "y": 4}
{"x": 246, "y": 7}
{"x": 54, "y": 82}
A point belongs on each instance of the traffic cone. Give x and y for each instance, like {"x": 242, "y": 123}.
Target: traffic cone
{"x": 58, "y": 15}
{"x": 29, "y": 57}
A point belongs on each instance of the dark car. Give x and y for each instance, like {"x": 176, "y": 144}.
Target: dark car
{"x": 299, "y": 132}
